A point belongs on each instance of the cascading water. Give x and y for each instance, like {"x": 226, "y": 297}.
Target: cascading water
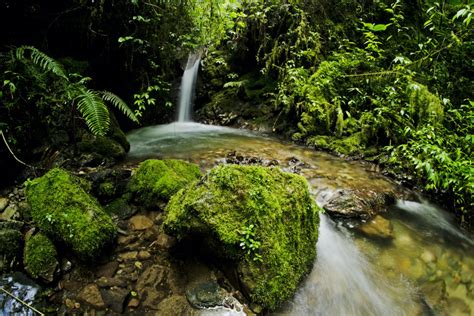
{"x": 344, "y": 282}
{"x": 188, "y": 83}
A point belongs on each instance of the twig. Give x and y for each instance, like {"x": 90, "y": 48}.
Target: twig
{"x": 21, "y": 301}
{"x": 11, "y": 152}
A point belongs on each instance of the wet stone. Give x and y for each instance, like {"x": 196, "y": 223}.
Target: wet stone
{"x": 11, "y": 212}
{"x": 134, "y": 303}
{"x": 128, "y": 256}
{"x": 107, "y": 270}
{"x": 175, "y": 305}
{"x": 90, "y": 294}
{"x": 165, "y": 241}
{"x": 3, "y": 203}
{"x": 114, "y": 298}
{"x": 206, "y": 295}
{"x": 144, "y": 255}
{"x": 378, "y": 227}
{"x": 140, "y": 222}
{"x": 434, "y": 293}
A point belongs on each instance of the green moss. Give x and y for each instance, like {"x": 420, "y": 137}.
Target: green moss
{"x": 107, "y": 189}
{"x": 278, "y": 204}
{"x": 158, "y": 180}
{"x": 425, "y": 106}
{"x": 101, "y": 145}
{"x": 10, "y": 246}
{"x": 40, "y": 256}
{"x": 65, "y": 212}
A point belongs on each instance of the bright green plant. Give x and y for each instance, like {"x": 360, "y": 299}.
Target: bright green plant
{"x": 91, "y": 104}
{"x": 248, "y": 242}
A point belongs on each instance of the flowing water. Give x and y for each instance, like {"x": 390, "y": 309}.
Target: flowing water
{"x": 425, "y": 268}
{"x": 188, "y": 83}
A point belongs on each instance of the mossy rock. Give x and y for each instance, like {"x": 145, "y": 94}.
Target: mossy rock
{"x": 157, "y": 180}
{"x": 65, "y": 212}
{"x": 261, "y": 218}
{"x": 101, "y": 145}
{"x": 40, "y": 257}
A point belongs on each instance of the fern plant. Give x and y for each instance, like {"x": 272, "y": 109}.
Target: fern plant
{"x": 91, "y": 104}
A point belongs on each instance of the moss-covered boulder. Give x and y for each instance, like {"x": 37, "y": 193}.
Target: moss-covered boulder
{"x": 40, "y": 257}
{"x": 263, "y": 219}
{"x": 64, "y": 211}
{"x": 157, "y": 180}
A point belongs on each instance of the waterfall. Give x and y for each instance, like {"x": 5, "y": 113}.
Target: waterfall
{"x": 188, "y": 83}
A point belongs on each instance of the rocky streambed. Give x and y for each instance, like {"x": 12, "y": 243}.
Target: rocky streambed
{"x": 413, "y": 246}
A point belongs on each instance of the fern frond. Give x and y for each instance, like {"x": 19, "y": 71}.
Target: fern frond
{"x": 119, "y": 104}
{"x": 41, "y": 59}
{"x": 94, "y": 111}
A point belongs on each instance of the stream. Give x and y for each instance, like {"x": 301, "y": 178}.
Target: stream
{"x": 425, "y": 268}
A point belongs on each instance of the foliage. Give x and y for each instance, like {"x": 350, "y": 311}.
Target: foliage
{"x": 248, "y": 242}
{"x": 88, "y": 102}
{"x": 385, "y": 80}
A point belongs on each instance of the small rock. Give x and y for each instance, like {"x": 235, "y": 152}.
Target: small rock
{"x": 144, "y": 255}
{"x": 69, "y": 303}
{"x": 91, "y": 295}
{"x": 11, "y": 212}
{"x": 114, "y": 298}
{"x": 105, "y": 282}
{"x": 206, "y": 295}
{"x": 428, "y": 256}
{"x": 140, "y": 222}
{"x": 107, "y": 270}
{"x": 434, "y": 293}
{"x": 3, "y": 203}
{"x": 175, "y": 305}
{"x": 378, "y": 227}
{"x": 165, "y": 241}
{"x": 66, "y": 266}
{"x": 128, "y": 256}
{"x": 134, "y": 303}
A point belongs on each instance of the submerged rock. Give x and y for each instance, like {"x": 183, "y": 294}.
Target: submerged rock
{"x": 157, "y": 180}
{"x": 40, "y": 258}
{"x": 357, "y": 203}
{"x": 263, "y": 219}
{"x": 90, "y": 294}
{"x": 65, "y": 212}
{"x": 378, "y": 227}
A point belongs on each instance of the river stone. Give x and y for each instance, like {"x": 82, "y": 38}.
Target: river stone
{"x": 235, "y": 207}
{"x": 428, "y": 256}
{"x": 114, "y": 298}
{"x": 206, "y": 295}
{"x": 378, "y": 227}
{"x": 434, "y": 293}
{"x": 140, "y": 222}
{"x": 90, "y": 294}
{"x": 359, "y": 203}
{"x": 3, "y": 203}
{"x": 10, "y": 213}
{"x": 175, "y": 305}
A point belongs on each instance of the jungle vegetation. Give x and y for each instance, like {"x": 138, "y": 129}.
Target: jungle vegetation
{"x": 384, "y": 80}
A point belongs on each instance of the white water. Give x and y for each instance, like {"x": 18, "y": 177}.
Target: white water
{"x": 434, "y": 217}
{"x": 344, "y": 282}
{"x": 186, "y": 93}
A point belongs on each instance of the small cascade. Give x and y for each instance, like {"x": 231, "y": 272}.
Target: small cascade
{"x": 429, "y": 215}
{"x": 188, "y": 83}
{"x": 344, "y": 282}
